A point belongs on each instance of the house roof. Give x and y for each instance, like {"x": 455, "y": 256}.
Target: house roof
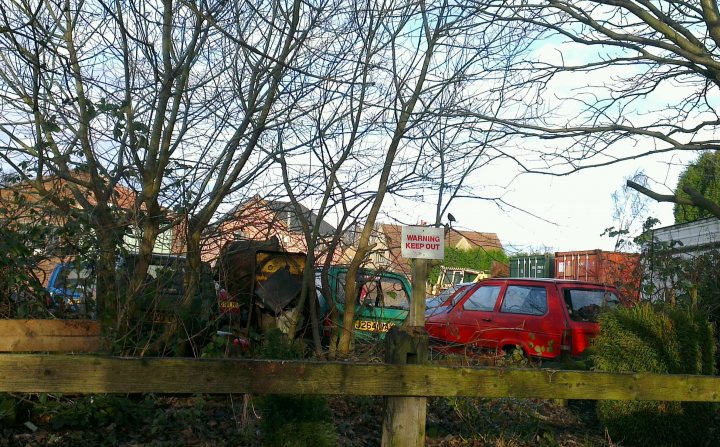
{"x": 284, "y": 211}
{"x": 122, "y": 196}
{"x": 472, "y": 239}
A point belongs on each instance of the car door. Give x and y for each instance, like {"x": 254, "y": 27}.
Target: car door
{"x": 526, "y": 318}
{"x": 471, "y": 321}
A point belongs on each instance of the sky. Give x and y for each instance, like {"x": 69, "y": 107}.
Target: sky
{"x": 570, "y": 213}
{"x": 566, "y": 213}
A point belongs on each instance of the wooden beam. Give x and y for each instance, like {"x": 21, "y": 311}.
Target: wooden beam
{"x": 49, "y": 335}
{"x": 92, "y": 374}
{"x": 405, "y": 417}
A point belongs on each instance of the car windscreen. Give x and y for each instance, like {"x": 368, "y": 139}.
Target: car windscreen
{"x": 71, "y": 280}
{"x": 376, "y": 291}
{"x": 585, "y": 304}
{"x": 445, "y": 294}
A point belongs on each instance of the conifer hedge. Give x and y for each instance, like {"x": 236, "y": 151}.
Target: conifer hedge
{"x": 666, "y": 341}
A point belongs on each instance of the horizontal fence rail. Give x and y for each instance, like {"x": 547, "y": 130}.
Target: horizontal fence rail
{"x": 49, "y": 335}
{"x": 93, "y": 374}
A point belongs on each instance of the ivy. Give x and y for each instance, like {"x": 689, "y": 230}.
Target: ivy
{"x": 474, "y": 259}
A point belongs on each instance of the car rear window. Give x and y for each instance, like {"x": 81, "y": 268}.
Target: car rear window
{"x": 585, "y": 304}
{"x": 525, "y": 300}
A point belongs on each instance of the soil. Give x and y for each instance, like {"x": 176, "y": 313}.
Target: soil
{"x": 236, "y": 421}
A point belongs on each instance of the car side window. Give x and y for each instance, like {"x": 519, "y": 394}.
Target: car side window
{"x": 525, "y": 300}
{"x": 483, "y": 298}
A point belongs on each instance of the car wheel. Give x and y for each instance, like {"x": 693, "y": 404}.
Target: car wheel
{"x": 513, "y": 355}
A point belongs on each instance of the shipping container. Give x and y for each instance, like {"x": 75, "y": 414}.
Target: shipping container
{"x": 621, "y": 270}
{"x": 532, "y": 266}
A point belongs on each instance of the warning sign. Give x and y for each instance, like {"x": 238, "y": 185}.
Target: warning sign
{"x": 423, "y": 242}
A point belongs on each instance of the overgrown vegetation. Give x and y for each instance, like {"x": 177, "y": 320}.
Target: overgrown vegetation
{"x": 669, "y": 340}
{"x": 475, "y": 259}
{"x": 293, "y": 421}
{"x": 110, "y": 420}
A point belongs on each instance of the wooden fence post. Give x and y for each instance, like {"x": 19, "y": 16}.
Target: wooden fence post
{"x": 405, "y": 417}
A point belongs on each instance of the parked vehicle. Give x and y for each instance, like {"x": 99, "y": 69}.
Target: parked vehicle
{"x": 447, "y": 299}
{"x": 72, "y": 290}
{"x": 544, "y": 317}
{"x": 450, "y": 276}
{"x": 164, "y": 287}
{"x": 259, "y": 286}
{"x": 383, "y": 300}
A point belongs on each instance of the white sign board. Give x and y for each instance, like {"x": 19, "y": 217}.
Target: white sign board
{"x": 423, "y": 242}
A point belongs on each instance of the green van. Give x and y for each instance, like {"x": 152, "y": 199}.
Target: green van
{"x": 383, "y": 300}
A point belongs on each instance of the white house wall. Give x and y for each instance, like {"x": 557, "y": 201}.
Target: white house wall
{"x": 688, "y": 240}
{"x": 163, "y": 243}
{"x": 695, "y": 237}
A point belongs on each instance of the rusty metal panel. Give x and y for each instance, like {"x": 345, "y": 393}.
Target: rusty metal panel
{"x": 618, "y": 269}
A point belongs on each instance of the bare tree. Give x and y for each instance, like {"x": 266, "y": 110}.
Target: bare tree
{"x": 402, "y": 64}
{"x": 168, "y": 100}
{"x": 612, "y": 81}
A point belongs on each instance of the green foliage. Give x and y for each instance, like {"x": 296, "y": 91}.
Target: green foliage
{"x": 508, "y": 422}
{"x": 8, "y": 410}
{"x": 703, "y": 175}
{"x": 21, "y": 292}
{"x": 687, "y": 281}
{"x": 99, "y": 410}
{"x": 475, "y": 259}
{"x": 217, "y": 347}
{"x": 665, "y": 341}
{"x": 111, "y": 420}
{"x": 295, "y": 421}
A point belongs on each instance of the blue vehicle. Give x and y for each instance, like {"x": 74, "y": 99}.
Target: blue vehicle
{"x": 71, "y": 289}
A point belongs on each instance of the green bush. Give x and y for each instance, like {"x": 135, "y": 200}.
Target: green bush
{"x": 665, "y": 341}
{"x": 475, "y": 259}
{"x": 294, "y": 421}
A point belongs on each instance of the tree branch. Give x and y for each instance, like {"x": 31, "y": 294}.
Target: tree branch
{"x": 695, "y": 199}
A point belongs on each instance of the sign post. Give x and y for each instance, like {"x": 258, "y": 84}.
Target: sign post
{"x": 405, "y": 417}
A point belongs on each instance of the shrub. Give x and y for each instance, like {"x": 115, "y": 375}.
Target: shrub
{"x": 295, "y": 421}
{"x": 666, "y": 341}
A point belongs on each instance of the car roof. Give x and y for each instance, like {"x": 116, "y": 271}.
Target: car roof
{"x": 549, "y": 281}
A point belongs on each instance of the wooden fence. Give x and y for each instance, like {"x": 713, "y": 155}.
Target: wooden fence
{"x": 97, "y": 374}
{"x": 406, "y": 386}
{"x": 49, "y": 335}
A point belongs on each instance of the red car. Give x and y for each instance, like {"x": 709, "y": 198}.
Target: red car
{"x": 544, "y": 317}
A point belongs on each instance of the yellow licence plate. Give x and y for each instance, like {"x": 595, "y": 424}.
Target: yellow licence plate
{"x": 373, "y": 326}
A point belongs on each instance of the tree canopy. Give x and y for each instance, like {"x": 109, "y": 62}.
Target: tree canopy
{"x": 704, "y": 177}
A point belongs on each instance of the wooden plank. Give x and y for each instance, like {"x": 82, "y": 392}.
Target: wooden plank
{"x": 49, "y": 335}
{"x": 94, "y": 374}
{"x": 50, "y": 344}
{"x": 405, "y": 417}
{"x": 50, "y": 328}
